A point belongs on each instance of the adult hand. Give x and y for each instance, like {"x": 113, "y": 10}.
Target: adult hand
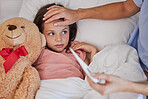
{"x": 113, "y": 84}
{"x": 56, "y": 12}
{"x": 86, "y": 47}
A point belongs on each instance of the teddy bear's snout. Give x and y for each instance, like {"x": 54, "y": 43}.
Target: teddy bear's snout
{"x": 11, "y": 27}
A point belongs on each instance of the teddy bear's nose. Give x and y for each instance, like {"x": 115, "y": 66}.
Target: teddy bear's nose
{"x": 12, "y": 27}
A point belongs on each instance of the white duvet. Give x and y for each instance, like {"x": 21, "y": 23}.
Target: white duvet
{"x": 121, "y": 60}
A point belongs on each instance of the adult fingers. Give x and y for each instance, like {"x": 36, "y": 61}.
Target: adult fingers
{"x": 109, "y": 78}
{"x": 62, "y": 23}
{"x": 51, "y": 9}
{"x": 54, "y": 6}
{"x": 55, "y": 17}
{"x": 78, "y": 46}
{"x": 90, "y": 81}
{"x": 102, "y": 76}
{"x": 99, "y": 87}
{"x": 51, "y": 13}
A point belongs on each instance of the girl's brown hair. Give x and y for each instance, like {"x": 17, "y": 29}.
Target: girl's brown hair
{"x": 39, "y": 22}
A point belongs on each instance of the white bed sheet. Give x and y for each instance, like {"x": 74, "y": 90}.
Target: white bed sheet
{"x": 120, "y": 60}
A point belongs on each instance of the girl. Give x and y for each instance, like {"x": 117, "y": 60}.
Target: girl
{"x": 61, "y": 75}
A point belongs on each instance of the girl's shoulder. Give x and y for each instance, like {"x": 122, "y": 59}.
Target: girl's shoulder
{"x": 45, "y": 52}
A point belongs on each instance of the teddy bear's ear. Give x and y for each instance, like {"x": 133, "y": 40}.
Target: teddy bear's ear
{"x": 43, "y": 40}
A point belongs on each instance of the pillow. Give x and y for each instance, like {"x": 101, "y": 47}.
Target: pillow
{"x": 103, "y": 32}
{"x": 9, "y": 9}
{"x": 30, "y": 7}
{"x": 94, "y": 31}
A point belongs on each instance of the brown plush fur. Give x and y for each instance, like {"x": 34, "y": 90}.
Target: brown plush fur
{"x": 22, "y": 80}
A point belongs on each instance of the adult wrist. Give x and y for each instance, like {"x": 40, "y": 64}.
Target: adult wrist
{"x": 129, "y": 88}
{"x": 80, "y": 14}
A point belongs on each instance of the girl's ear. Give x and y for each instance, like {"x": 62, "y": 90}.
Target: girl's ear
{"x": 43, "y": 40}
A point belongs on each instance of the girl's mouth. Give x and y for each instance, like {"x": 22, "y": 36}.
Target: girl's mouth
{"x": 59, "y": 45}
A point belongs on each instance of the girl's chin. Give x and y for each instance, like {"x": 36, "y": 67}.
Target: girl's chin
{"x": 59, "y": 50}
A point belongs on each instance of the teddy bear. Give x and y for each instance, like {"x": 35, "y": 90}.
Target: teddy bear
{"x": 20, "y": 45}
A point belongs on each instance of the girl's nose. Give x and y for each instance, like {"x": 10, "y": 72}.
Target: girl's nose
{"x": 58, "y": 38}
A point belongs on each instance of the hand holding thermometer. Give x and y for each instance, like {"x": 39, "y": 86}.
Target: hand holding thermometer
{"x": 86, "y": 68}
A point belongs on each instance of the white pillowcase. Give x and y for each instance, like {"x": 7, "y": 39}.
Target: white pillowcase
{"x": 94, "y": 31}
{"x": 103, "y": 32}
{"x": 30, "y": 7}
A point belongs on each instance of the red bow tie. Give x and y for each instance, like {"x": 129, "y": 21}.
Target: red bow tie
{"x": 12, "y": 56}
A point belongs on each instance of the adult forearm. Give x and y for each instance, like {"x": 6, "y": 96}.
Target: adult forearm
{"x": 141, "y": 88}
{"x": 136, "y": 87}
{"x": 110, "y": 11}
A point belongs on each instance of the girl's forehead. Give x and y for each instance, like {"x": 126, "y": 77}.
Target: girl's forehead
{"x": 51, "y": 25}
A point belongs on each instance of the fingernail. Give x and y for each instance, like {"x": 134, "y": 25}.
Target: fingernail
{"x": 55, "y": 24}
{"x": 44, "y": 14}
{"x": 43, "y": 18}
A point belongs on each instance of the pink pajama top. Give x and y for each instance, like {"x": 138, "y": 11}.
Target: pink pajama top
{"x": 52, "y": 65}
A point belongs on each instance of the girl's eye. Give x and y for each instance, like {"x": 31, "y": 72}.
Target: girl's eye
{"x": 51, "y": 33}
{"x": 64, "y": 32}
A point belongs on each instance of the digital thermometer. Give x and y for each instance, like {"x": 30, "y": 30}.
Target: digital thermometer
{"x": 86, "y": 68}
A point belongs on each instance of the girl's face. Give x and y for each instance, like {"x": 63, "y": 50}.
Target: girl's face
{"x": 57, "y": 38}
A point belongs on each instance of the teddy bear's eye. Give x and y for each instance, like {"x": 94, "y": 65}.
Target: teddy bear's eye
{"x": 22, "y": 27}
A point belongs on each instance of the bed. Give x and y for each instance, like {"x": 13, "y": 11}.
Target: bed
{"x": 106, "y": 35}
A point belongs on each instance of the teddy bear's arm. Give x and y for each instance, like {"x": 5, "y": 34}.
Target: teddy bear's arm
{"x": 29, "y": 84}
{"x": 2, "y": 71}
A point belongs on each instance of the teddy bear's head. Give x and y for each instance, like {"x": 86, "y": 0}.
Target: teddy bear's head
{"x": 17, "y": 32}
